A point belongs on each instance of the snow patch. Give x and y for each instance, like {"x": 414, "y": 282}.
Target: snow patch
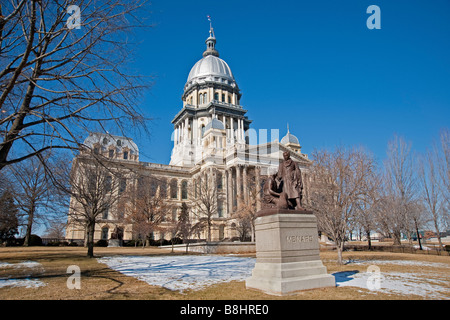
{"x": 181, "y": 273}
{"x": 400, "y": 263}
{"x": 426, "y": 285}
{"x": 26, "y": 282}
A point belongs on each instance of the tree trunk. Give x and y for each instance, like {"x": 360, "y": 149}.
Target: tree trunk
{"x": 396, "y": 235}
{"x": 340, "y": 248}
{"x": 418, "y": 234}
{"x": 26, "y": 241}
{"x": 209, "y": 231}
{"x": 438, "y": 234}
{"x": 369, "y": 241}
{"x": 90, "y": 239}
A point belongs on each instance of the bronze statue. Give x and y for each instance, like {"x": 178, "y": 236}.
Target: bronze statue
{"x": 284, "y": 189}
{"x": 274, "y": 197}
{"x": 290, "y": 173}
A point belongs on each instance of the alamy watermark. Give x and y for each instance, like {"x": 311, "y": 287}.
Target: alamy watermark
{"x": 374, "y": 20}
{"x": 74, "y": 281}
{"x": 74, "y": 20}
{"x": 374, "y": 280}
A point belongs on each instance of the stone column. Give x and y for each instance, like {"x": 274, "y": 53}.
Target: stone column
{"x": 258, "y": 187}
{"x": 238, "y": 185}
{"x": 245, "y": 177}
{"x": 229, "y": 177}
{"x": 186, "y": 126}
{"x": 175, "y": 138}
{"x": 179, "y": 189}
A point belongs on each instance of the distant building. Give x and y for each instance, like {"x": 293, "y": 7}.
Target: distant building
{"x": 212, "y": 137}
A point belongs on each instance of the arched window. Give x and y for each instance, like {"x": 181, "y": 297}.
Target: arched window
{"x": 184, "y": 190}
{"x": 174, "y": 189}
{"x": 163, "y": 188}
{"x": 201, "y": 98}
{"x": 219, "y": 181}
{"x": 203, "y": 130}
{"x": 105, "y": 233}
{"x": 216, "y": 96}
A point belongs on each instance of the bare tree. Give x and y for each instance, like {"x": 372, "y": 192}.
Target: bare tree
{"x": 32, "y": 191}
{"x": 366, "y": 209}
{"x": 94, "y": 190}
{"x": 62, "y": 73}
{"x": 339, "y": 185}
{"x": 247, "y": 207}
{"x": 204, "y": 199}
{"x": 444, "y": 172}
{"x": 400, "y": 188}
{"x": 433, "y": 187}
{"x": 55, "y": 229}
{"x": 146, "y": 208}
{"x": 186, "y": 227}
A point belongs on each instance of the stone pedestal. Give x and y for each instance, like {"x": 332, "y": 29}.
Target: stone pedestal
{"x": 287, "y": 254}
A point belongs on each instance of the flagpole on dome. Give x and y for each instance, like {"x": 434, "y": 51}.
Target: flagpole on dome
{"x": 211, "y": 30}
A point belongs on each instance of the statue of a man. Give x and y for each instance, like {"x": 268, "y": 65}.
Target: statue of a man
{"x": 291, "y": 176}
{"x": 274, "y": 197}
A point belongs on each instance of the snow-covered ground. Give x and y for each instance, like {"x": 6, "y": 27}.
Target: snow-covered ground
{"x": 182, "y": 272}
{"x": 196, "y": 272}
{"x": 425, "y": 284}
{"x": 25, "y": 268}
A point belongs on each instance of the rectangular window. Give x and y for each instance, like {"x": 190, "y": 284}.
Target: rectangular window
{"x": 105, "y": 233}
{"x": 125, "y": 155}
{"x": 220, "y": 208}
{"x": 122, "y": 185}
{"x": 108, "y": 183}
{"x": 111, "y": 153}
{"x": 105, "y": 214}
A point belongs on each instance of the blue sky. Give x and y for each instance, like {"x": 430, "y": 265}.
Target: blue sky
{"x": 314, "y": 64}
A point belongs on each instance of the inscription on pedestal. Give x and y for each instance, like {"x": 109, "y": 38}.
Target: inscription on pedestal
{"x": 295, "y": 239}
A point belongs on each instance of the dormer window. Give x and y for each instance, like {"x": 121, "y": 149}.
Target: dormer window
{"x": 125, "y": 155}
{"x": 111, "y": 153}
{"x": 119, "y": 143}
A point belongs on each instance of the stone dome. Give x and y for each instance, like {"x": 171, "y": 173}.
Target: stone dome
{"x": 211, "y": 68}
{"x": 106, "y": 140}
{"x": 290, "y": 138}
{"x": 215, "y": 124}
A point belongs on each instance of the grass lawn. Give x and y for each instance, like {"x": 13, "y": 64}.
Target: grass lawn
{"x": 98, "y": 282}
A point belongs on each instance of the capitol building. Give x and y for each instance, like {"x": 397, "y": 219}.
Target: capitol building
{"x": 213, "y": 146}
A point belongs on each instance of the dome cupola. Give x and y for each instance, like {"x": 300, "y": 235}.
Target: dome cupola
{"x": 211, "y": 70}
{"x": 291, "y": 141}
